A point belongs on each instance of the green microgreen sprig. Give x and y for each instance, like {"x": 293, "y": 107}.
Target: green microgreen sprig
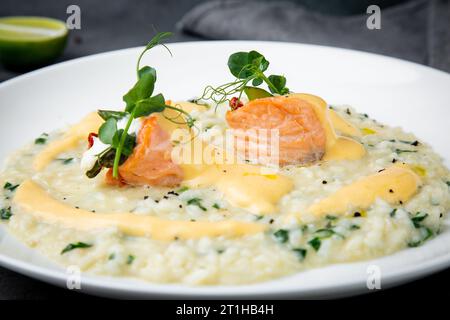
{"x": 247, "y": 67}
{"x": 140, "y": 102}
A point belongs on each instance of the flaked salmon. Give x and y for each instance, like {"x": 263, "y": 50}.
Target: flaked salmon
{"x": 302, "y": 138}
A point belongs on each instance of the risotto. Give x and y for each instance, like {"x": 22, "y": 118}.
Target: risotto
{"x": 112, "y": 195}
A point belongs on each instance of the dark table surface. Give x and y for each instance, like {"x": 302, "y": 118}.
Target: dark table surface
{"x": 119, "y": 24}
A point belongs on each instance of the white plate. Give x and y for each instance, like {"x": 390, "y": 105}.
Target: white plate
{"x": 390, "y": 90}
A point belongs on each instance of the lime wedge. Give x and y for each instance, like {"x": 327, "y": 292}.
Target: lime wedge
{"x": 30, "y": 42}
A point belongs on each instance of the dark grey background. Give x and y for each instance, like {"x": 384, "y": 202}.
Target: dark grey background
{"x": 415, "y": 30}
{"x": 110, "y": 25}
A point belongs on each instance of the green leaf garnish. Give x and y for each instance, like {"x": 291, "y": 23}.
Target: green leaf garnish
{"x": 247, "y": 67}
{"x": 281, "y": 235}
{"x": 399, "y": 151}
{"x": 107, "y": 131}
{"x": 42, "y": 139}
{"x": 150, "y": 105}
{"x": 107, "y": 158}
{"x": 428, "y": 234}
{"x": 196, "y": 202}
{"x": 145, "y": 70}
{"x": 243, "y": 64}
{"x": 279, "y": 84}
{"x": 156, "y": 40}
{"x": 104, "y": 160}
{"x": 128, "y": 146}
{"x": 142, "y": 89}
{"x": 95, "y": 170}
{"x": 257, "y": 81}
{"x": 5, "y": 213}
{"x": 76, "y": 245}
{"x": 418, "y": 218}
{"x": 130, "y": 259}
{"x": 326, "y": 233}
{"x": 65, "y": 160}
{"x": 182, "y": 189}
{"x": 320, "y": 235}
{"x": 139, "y": 100}
{"x": 106, "y": 114}
{"x": 315, "y": 243}
{"x": 393, "y": 213}
{"x": 301, "y": 253}
{"x": 120, "y": 147}
{"x": 256, "y": 93}
{"x": 413, "y": 143}
{"x": 10, "y": 187}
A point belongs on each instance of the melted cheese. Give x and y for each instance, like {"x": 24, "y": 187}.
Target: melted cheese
{"x": 31, "y": 198}
{"x": 337, "y": 147}
{"x": 395, "y": 184}
{"x": 71, "y": 138}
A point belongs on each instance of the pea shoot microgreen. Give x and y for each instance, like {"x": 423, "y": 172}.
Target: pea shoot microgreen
{"x": 139, "y": 102}
{"x": 248, "y": 68}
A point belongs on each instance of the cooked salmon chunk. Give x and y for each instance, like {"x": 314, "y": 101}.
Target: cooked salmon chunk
{"x": 302, "y": 138}
{"x": 150, "y": 163}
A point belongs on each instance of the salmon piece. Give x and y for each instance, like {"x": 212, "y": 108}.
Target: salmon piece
{"x": 302, "y": 138}
{"x": 109, "y": 179}
{"x": 150, "y": 163}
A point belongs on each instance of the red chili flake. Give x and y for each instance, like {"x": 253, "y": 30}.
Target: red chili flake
{"x": 235, "y": 103}
{"x": 91, "y": 139}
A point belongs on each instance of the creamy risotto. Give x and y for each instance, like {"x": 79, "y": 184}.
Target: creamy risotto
{"x": 345, "y": 188}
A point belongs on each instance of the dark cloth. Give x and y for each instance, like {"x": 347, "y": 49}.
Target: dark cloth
{"x": 418, "y": 30}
